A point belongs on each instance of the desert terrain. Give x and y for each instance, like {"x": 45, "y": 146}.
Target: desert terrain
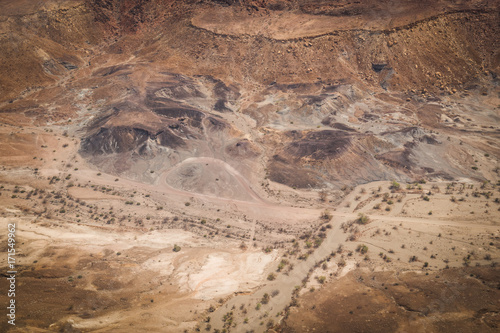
{"x": 250, "y": 166}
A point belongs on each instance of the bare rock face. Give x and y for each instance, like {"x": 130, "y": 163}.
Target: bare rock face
{"x": 128, "y": 16}
{"x": 174, "y": 116}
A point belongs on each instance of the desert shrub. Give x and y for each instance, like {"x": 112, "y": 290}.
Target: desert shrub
{"x": 362, "y": 219}
{"x": 282, "y": 264}
{"x": 326, "y": 215}
{"x": 321, "y": 279}
{"x": 317, "y": 242}
{"x": 362, "y": 248}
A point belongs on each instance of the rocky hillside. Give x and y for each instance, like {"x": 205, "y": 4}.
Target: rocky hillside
{"x": 309, "y": 94}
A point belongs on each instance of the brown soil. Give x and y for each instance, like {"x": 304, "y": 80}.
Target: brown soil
{"x": 453, "y": 300}
{"x": 169, "y": 161}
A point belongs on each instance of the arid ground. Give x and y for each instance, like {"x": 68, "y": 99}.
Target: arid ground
{"x": 251, "y": 166}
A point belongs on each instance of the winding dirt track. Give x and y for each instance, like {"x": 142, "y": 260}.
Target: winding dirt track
{"x": 287, "y": 283}
{"x": 259, "y": 207}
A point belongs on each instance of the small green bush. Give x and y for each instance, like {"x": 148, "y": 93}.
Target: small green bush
{"x": 362, "y": 219}
{"x": 321, "y": 279}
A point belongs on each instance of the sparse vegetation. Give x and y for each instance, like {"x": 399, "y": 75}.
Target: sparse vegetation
{"x": 395, "y": 185}
{"x": 362, "y": 219}
{"x": 183, "y": 130}
{"x": 362, "y": 249}
{"x": 326, "y": 215}
{"x": 321, "y": 279}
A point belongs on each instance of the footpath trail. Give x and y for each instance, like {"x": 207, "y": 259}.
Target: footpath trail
{"x": 284, "y": 283}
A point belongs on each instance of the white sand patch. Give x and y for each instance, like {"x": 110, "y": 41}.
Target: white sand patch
{"x": 225, "y": 273}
